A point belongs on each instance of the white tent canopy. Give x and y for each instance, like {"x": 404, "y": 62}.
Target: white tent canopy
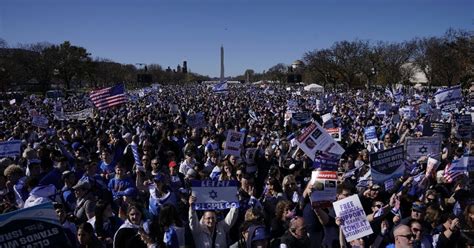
{"x": 314, "y": 87}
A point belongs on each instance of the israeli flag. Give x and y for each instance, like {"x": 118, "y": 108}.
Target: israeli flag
{"x": 388, "y": 92}
{"x": 220, "y": 87}
{"x": 446, "y": 99}
{"x": 398, "y": 96}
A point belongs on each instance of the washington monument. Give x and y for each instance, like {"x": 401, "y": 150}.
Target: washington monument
{"x": 222, "y": 63}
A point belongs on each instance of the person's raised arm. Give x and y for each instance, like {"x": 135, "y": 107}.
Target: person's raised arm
{"x": 193, "y": 218}
{"x": 231, "y": 218}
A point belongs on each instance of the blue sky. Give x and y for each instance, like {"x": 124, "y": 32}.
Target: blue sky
{"x": 256, "y": 34}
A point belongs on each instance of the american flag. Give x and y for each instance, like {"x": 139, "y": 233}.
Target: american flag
{"x": 455, "y": 169}
{"x": 109, "y": 97}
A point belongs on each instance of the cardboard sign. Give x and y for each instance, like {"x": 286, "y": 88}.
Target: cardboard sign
{"x": 215, "y": 195}
{"x": 314, "y": 138}
{"x": 354, "y": 224}
{"x": 335, "y": 133}
{"x": 387, "y": 164}
{"x": 324, "y": 188}
{"x": 233, "y": 143}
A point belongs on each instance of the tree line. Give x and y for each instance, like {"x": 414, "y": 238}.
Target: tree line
{"x": 42, "y": 66}
{"x": 445, "y": 60}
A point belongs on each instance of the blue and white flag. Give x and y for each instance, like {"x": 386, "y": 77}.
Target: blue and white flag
{"x": 446, "y": 99}
{"x": 136, "y": 155}
{"x": 10, "y": 148}
{"x": 388, "y": 92}
{"x": 398, "y": 96}
{"x": 36, "y": 226}
{"x": 422, "y": 146}
{"x": 220, "y": 87}
{"x": 215, "y": 195}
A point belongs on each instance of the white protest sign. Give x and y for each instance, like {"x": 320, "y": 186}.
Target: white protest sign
{"x": 233, "y": 143}
{"x": 335, "y": 133}
{"x": 324, "y": 188}
{"x": 314, "y": 138}
{"x": 431, "y": 167}
{"x": 215, "y": 195}
{"x": 10, "y": 148}
{"x": 327, "y": 120}
{"x": 250, "y": 156}
{"x": 354, "y": 224}
{"x": 78, "y": 115}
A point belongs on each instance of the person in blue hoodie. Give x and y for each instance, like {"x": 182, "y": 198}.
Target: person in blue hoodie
{"x": 120, "y": 182}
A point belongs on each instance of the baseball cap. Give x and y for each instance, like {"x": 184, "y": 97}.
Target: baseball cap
{"x": 172, "y": 164}
{"x": 76, "y": 146}
{"x": 82, "y": 185}
{"x": 418, "y": 207}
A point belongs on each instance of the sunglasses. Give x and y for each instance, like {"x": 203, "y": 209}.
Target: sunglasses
{"x": 414, "y": 229}
{"x": 378, "y": 206}
{"x": 409, "y": 236}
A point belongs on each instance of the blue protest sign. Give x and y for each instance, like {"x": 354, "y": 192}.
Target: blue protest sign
{"x": 36, "y": 226}
{"x": 371, "y": 135}
{"x": 387, "y": 164}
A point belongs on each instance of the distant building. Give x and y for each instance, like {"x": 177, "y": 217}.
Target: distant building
{"x": 185, "y": 67}
{"x": 418, "y": 76}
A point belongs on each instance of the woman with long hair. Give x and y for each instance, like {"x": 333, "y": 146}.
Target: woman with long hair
{"x": 467, "y": 224}
{"x": 127, "y": 235}
{"x": 227, "y": 173}
{"x": 171, "y": 227}
{"x": 86, "y": 237}
{"x": 283, "y": 213}
{"x": 105, "y": 223}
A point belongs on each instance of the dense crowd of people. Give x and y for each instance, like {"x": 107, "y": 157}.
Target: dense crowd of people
{"x": 122, "y": 177}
